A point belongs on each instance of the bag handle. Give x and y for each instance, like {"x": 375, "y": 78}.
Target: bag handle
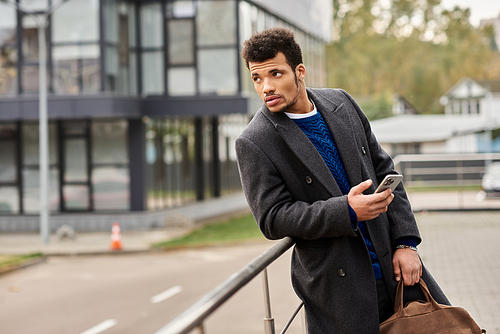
{"x": 398, "y": 303}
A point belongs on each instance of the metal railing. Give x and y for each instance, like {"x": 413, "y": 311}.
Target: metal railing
{"x": 442, "y": 170}
{"x": 194, "y": 317}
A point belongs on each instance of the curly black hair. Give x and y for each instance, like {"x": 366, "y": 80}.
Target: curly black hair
{"x": 268, "y": 43}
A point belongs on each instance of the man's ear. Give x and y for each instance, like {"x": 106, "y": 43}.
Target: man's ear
{"x": 300, "y": 72}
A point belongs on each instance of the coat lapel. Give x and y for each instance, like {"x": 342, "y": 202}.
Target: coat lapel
{"x": 303, "y": 149}
{"x": 338, "y": 120}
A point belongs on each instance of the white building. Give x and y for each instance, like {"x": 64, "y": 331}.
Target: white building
{"x": 472, "y": 111}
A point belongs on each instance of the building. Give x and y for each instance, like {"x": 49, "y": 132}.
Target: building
{"x": 472, "y": 114}
{"x": 145, "y": 101}
{"x": 401, "y": 106}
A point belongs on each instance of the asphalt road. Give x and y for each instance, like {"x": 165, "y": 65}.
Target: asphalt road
{"x": 139, "y": 293}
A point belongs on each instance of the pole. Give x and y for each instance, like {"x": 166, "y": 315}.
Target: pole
{"x": 268, "y": 320}
{"x": 44, "y": 138}
{"x": 41, "y": 22}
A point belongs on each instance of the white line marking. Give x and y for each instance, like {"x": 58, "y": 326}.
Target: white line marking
{"x": 107, "y": 324}
{"x": 166, "y": 294}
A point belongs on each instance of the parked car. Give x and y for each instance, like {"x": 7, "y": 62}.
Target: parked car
{"x": 491, "y": 178}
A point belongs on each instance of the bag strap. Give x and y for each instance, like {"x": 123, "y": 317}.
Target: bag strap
{"x": 398, "y": 302}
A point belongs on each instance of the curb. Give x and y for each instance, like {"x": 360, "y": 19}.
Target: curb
{"x": 24, "y": 264}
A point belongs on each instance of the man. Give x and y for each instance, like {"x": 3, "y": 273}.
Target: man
{"x": 309, "y": 165}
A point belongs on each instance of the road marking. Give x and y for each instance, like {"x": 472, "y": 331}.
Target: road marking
{"x": 166, "y": 294}
{"x": 107, "y": 324}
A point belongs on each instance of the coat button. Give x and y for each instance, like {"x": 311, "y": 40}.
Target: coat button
{"x": 363, "y": 150}
{"x": 341, "y": 272}
{"x": 309, "y": 180}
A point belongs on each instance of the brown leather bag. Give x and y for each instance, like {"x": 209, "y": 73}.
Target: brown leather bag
{"x": 427, "y": 317}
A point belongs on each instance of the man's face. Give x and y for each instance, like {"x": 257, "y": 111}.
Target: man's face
{"x": 276, "y": 83}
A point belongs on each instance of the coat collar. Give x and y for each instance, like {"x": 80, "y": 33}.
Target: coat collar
{"x": 337, "y": 118}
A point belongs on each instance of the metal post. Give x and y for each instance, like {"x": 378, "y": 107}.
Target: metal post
{"x": 268, "y": 320}
{"x": 200, "y": 329}
{"x": 304, "y": 324}
{"x": 460, "y": 179}
{"x": 41, "y": 22}
{"x": 43, "y": 140}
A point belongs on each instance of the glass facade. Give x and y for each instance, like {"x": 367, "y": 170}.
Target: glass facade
{"x": 164, "y": 47}
{"x": 253, "y": 18}
{"x": 171, "y": 164}
{"x": 163, "y": 50}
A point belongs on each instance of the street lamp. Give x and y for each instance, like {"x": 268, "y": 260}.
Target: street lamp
{"x": 41, "y": 19}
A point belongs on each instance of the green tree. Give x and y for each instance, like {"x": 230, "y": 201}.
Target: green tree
{"x": 412, "y": 48}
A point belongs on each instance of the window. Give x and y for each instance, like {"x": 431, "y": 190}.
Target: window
{"x": 217, "y": 57}
{"x": 30, "y": 38}
{"x": 216, "y": 23}
{"x": 110, "y": 166}
{"x": 76, "y": 68}
{"x": 75, "y": 48}
{"x": 109, "y": 142}
{"x": 152, "y": 73}
{"x": 120, "y": 52}
{"x": 153, "y": 64}
{"x": 30, "y": 72}
{"x": 30, "y": 168}
{"x": 181, "y": 81}
{"x": 181, "y": 73}
{"x": 217, "y": 71}
{"x": 76, "y": 21}
{"x": 171, "y": 166}
{"x": 181, "y": 44}
{"x": 75, "y": 166}
{"x": 151, "y": 25}
{"x": 35, "y": 4}
{"x": 9, "y": 194}
{"x": 180, "y": 9}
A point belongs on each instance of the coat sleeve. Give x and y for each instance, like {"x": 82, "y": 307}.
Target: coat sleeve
{"x": 274, "y": 207}
{"x": 400, "y": 215}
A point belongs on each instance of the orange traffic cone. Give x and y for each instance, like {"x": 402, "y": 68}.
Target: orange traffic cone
{"x": 116, "y": 237}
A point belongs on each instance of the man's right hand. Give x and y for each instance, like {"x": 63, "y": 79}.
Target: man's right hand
{"x": 368, "y": 207}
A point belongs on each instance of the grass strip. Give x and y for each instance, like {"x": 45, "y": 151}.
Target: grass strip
{"x": 234, "y": 230}
{"x": 12, "y": 261}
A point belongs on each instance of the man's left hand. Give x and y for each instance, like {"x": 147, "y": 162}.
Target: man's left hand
{"x": 406, "y": 263}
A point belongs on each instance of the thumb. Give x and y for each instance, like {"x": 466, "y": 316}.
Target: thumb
{"x": 397, "y": 274}
{"x": 358, "y": 189}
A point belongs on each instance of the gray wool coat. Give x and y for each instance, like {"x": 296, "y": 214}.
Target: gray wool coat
{"x": 291, "y": 192}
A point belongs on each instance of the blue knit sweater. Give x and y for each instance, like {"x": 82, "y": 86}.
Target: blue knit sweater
{"x": 315, "y": 128}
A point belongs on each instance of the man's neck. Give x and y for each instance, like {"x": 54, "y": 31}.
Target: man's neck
{"x": 303, "y": 104}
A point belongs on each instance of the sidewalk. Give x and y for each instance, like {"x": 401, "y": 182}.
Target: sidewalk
{"x": 461, "y": 251}
{"x": 452, "y": 200}
{"x": 87, "y": 243}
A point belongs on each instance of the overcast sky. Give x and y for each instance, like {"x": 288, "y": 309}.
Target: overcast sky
{"x": 480, "y": 9}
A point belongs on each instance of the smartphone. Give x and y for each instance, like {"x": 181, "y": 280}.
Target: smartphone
{"x": 390, "y": 181}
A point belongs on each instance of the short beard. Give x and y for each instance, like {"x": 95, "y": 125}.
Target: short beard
{"x": 285, "y": 108}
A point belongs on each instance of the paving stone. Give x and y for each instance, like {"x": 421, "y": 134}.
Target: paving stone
{"x": 461, "y": 249}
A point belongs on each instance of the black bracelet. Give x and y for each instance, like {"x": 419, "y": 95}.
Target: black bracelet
{"x": 406, "y": 246}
